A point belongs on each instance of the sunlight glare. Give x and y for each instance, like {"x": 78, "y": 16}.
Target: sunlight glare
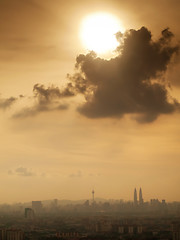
{"x": 98, "y": 32}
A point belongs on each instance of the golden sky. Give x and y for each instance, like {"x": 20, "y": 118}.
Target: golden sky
{"x": 119, "y": 129}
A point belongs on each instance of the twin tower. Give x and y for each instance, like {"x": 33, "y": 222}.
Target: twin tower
{"x": 136, "y": 202}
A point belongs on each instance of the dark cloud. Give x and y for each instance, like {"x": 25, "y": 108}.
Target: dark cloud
{"x": 47, "y": 99}
{"x": 132, "y": 82}
{"x": 6, "y": 103}
{"x": 46, "y": 95}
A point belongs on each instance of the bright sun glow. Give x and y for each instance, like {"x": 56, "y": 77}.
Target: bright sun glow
{"x": 98, "y": 32}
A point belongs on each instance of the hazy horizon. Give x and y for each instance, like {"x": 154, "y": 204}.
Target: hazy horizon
{"x": 72, "y": 120}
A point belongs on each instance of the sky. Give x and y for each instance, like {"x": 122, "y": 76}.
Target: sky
{"x": 73, "y": 120}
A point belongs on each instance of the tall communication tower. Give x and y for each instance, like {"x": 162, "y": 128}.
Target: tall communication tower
{"x": 93, "y": 195}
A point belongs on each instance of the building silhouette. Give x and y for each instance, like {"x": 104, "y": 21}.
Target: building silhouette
{"x": 176, "y": 230}
{"x": 11, "y": 234}
{"x": 135, "y": 197}
{"x": 140, "y": 197}
{"x": 93, "y": 196}
{"x": 141, "y": 201}
{"x": 29, "y": 213}
{"x": 37, "y": 206}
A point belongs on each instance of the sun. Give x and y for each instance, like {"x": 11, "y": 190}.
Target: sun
{"x": 98, "y": 32}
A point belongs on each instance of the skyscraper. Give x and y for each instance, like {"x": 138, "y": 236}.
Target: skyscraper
{"x": 140, "y": 197}
{"x": 135, "y": 197}
{"x": 37, "y": 206}
{"x": 29, "y": 213}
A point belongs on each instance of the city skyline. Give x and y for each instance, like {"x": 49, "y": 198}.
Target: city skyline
{"x": 136, "y": 199}
{"x": 73, "y": 120}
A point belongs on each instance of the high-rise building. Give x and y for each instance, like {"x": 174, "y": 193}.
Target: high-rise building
{"x": 11, "y": 234}
{"x": 14, "y": 235}
{"x": 135, "y": 197}
{"x": 176, "y": 230}
{"x": 37, "y": 206}
{"x": 2, "y": 234}
{"x": 55, "y": 203}
{"x": 29, "y": 213}
{"x": 140, "y": 197}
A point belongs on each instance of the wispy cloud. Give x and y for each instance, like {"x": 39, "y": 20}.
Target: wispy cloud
{"x": 22, "y": 171}
{"x": 7, "y": 102}
{"x": 46, "y": 99}
{"x": 78, "y": 174}
{"x": 131, "y": 83}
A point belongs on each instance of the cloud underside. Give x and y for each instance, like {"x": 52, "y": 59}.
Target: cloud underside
{"x": 8, "y": 102}
{"x": 46, "y": 99}
{"x": 131, "y": 83}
